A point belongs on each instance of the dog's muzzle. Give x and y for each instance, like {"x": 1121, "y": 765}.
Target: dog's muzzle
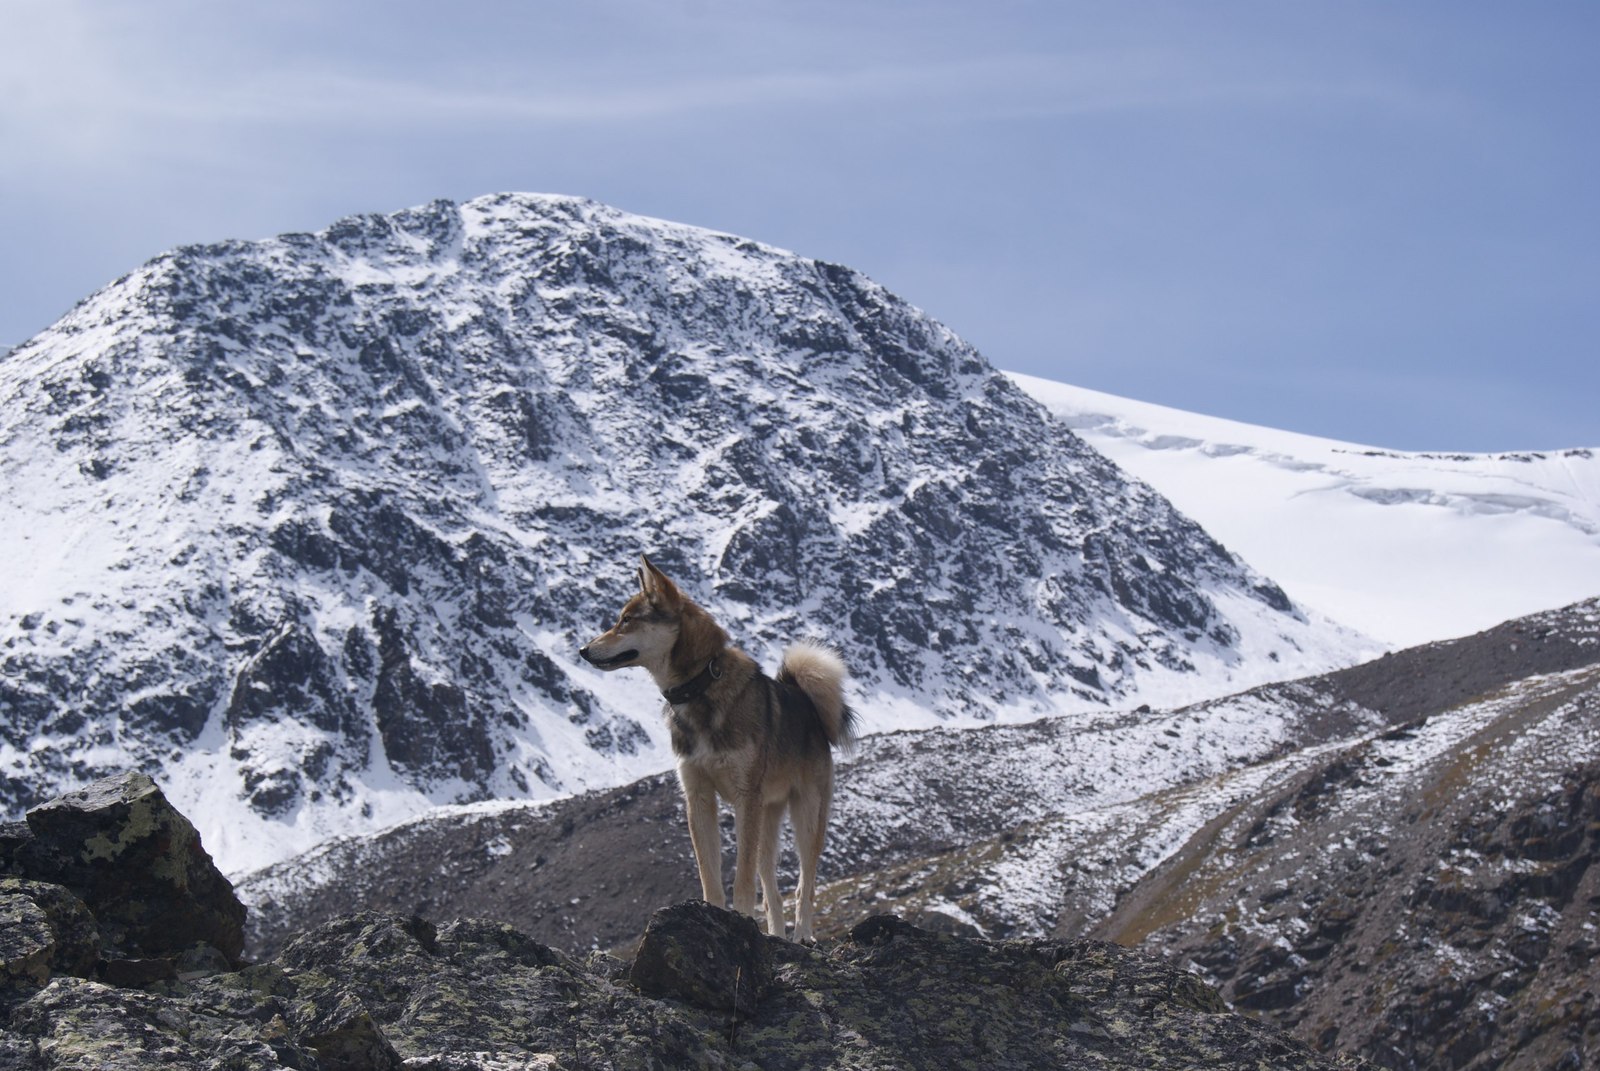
{"x": 614, "y": 662}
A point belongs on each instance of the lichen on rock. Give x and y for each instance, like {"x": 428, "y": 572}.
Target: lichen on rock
{"x": 138, "y": 864}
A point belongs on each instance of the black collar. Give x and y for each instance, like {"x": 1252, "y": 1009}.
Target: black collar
{"x": 694, "y": 688}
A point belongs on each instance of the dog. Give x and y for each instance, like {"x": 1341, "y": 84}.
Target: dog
{"x": 764, "y": 744}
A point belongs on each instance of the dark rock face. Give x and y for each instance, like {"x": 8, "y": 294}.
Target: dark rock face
{"x": 376, "y": 992}
{"x": 365, "y": 491}
{"x": 47, "y": 931}
{"x": 138, "y": 866}
{"x": 704, "y": 955}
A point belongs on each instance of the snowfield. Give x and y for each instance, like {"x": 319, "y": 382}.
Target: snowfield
{"x": 1404, "y": 547}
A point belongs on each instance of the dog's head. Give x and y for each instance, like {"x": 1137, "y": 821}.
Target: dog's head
{"x": 647, "y": 629}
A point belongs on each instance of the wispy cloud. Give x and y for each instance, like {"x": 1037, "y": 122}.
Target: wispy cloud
{"x": 81, "y": 85}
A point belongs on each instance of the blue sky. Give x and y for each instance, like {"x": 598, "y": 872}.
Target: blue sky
{"x": 1372, "y": 221}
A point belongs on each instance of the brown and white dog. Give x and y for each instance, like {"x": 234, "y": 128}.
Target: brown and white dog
{"x": 762, "y": 743}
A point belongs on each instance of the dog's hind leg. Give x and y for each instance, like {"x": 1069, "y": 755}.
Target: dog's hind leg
{"x": 700, "y": 800}
{"x": 808, "y": 812}
{"x": 771, "y": 898}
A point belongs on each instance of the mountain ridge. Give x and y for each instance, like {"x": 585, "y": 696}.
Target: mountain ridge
{"x": 910, "y": 796}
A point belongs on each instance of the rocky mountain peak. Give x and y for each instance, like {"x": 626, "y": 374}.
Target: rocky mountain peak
{"x": 313, "y": 525}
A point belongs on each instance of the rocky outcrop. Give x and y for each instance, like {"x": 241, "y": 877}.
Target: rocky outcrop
{"x": 111, "y": 883}
{"x": 137, "y": 864}
{"x": 1427, "y": 897}
{"x": 371, "y": 991}
{"x": 382, "y": 992}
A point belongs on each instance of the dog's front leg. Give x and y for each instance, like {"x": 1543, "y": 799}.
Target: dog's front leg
{"x": 747, "y": 851}
{"x": 700, "y": 800}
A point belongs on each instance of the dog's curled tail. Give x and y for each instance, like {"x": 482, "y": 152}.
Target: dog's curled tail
{"x": 819, "y": 672}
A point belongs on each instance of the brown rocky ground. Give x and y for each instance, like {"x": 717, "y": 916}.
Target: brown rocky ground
{"x": 1426, "y": 903}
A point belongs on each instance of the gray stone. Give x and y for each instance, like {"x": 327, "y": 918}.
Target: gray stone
{"x": 705, "y": 956}
{"x": 44, "y": 930}
{"x": 139, "y": 866}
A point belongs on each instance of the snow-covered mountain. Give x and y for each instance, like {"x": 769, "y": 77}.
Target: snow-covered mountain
{"x": 1407, "y": 548}
{"x": 311, "y": 527}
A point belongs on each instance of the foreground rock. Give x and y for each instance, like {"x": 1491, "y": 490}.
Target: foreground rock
{"x": 387, "y": 992}
{"x": 133, "y": 966}
{"x": 111, "y": 883}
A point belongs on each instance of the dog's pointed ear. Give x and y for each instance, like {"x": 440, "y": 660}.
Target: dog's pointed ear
{"x": 655, "y": 585}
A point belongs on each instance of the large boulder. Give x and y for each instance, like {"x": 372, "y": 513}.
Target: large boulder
{"x": 138, "y": 864}
{"x": 707, "y": 956}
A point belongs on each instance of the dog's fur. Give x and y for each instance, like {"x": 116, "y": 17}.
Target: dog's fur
{"x": 761, "y": 743}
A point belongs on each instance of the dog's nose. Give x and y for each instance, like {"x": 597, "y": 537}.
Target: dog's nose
{"x": 584, "y": 653}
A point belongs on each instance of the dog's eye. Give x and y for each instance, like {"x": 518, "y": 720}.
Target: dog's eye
{"x": 624, "y": 619}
